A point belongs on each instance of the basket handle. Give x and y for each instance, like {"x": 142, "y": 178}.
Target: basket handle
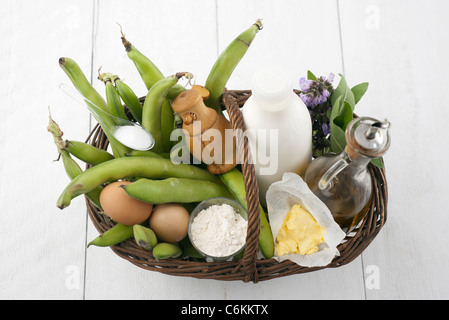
{"x": 249, "y": 259}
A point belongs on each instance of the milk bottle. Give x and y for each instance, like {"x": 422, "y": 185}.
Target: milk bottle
{"x": 279, "y": 128}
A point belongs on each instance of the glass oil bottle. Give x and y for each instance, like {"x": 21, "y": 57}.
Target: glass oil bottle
{"x": 342, "y": 181}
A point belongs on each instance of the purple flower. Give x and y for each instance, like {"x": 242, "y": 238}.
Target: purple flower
{"x": 326, "y": 128}
{"x": 316, "y": 92}
{"x": 305, "y": 84}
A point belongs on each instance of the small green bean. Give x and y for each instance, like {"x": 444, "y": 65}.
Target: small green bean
{"x": 87, "y": 152}
{"x": 144, "y": 237}
{"x": 113, "y": 99}
{"x": 165, "y": 250}
{"x": 114, "y": 102}
{"x": 117, "y": 234}
{"x": 177, "y": 190}
{"x": 129, "y": 98}
{"x": 130, "y": 167}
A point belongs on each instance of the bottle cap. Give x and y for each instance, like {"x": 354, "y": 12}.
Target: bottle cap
{"x": 368, "y": 136}
{"x": 271, "y": 83}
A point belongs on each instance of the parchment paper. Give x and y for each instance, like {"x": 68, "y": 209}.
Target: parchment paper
{"x": 281, "y": 196}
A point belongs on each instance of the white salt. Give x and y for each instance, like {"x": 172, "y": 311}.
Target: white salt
{"x": 134, "y": 137}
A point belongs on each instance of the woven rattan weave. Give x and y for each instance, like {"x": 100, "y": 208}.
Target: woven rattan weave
{"x": 251, "y": 267}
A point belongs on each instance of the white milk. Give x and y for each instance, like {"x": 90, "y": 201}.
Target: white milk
{"x": 279, "y": 128}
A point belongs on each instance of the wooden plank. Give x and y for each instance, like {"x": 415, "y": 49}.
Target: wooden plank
{"x": 132, "y": 282}
{"x": 282, "y": 40}
{"x": 293, "y": 37}
{"x": 42, "y": 248}
{"x": 400, "y": 48}
{"x": 176, "y": 36}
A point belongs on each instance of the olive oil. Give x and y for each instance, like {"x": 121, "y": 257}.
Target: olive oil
{"x": 342, "y": 181}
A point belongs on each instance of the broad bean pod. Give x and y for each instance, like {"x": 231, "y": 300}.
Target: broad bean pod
{"x": 234, "y": 180}
{"x": 71, "y": 167}
{"x": 87, "y": 152}
{"x": 79, "y": 80}
{"x": 130, "y": 167}
{"x": 114, "y": 101}
{"x": 117, "y": 234}
{"x": 177, "y": 190}
{"x": 148, "y": 153}
{"x": 148, "y": 71}
{"x": 107, "y": 124}
{"x": 73, "y": 170}
{"x": 152, "y": 116}
{"x": 165, "y": 250}
{"x": 129, "y": 98}
{"x": 225, "y": 64}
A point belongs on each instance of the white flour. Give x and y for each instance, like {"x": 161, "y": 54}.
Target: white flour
{"x": 219, "y": 231}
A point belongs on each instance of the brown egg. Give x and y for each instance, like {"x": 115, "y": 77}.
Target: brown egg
{"x": 169, "y": 221}
{"x": 121, "y": 207}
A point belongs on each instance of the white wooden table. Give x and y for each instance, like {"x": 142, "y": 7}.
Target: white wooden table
{"x": 400, "y": 47}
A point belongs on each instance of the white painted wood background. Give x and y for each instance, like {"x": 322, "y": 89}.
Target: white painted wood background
{"x": 400, "y": 47}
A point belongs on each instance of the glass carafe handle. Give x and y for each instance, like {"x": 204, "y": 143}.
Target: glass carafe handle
{"x": 325, "y": 183}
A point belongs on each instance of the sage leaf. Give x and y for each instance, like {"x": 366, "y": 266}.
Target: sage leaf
{"x": 310, "y": 75}
{"x": 378, "y": 162}
{"x": 344, "y": 116}
{"x": 337, "y": 138}
{"x": 344, "y": 92}
{"x": 359, "y": 90}
{"x": 337, "y": 135}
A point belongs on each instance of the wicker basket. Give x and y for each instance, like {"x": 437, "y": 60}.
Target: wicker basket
{"x": 249, "y": 268}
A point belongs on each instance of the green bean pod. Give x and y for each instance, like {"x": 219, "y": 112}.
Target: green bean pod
{"x": 87, "y": 152}
{"x": 79, "y": 80}
{"x": 114, "y": 101}
{"x": 152, "y": 109}
{"x": 165, "y": 250}
{"x": 129, "y": 167}
{"x": 226, "y": 63}
{"x": 167, "y": 125}
{"x": 148, "y": 153}
{"x": 117, "y": 234}
{"x": 73, "y": 170}
{"x": 148, "y": 71}
{"x": 71, "y": 167}
{"x": 107, "y": 123}
{"x": 129, "y": 98}
{"x": 233, "y": 179}
{"x": 174, "y": 91}
{"x": 144, "y": 237}
{"x": 177, "y": 190}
